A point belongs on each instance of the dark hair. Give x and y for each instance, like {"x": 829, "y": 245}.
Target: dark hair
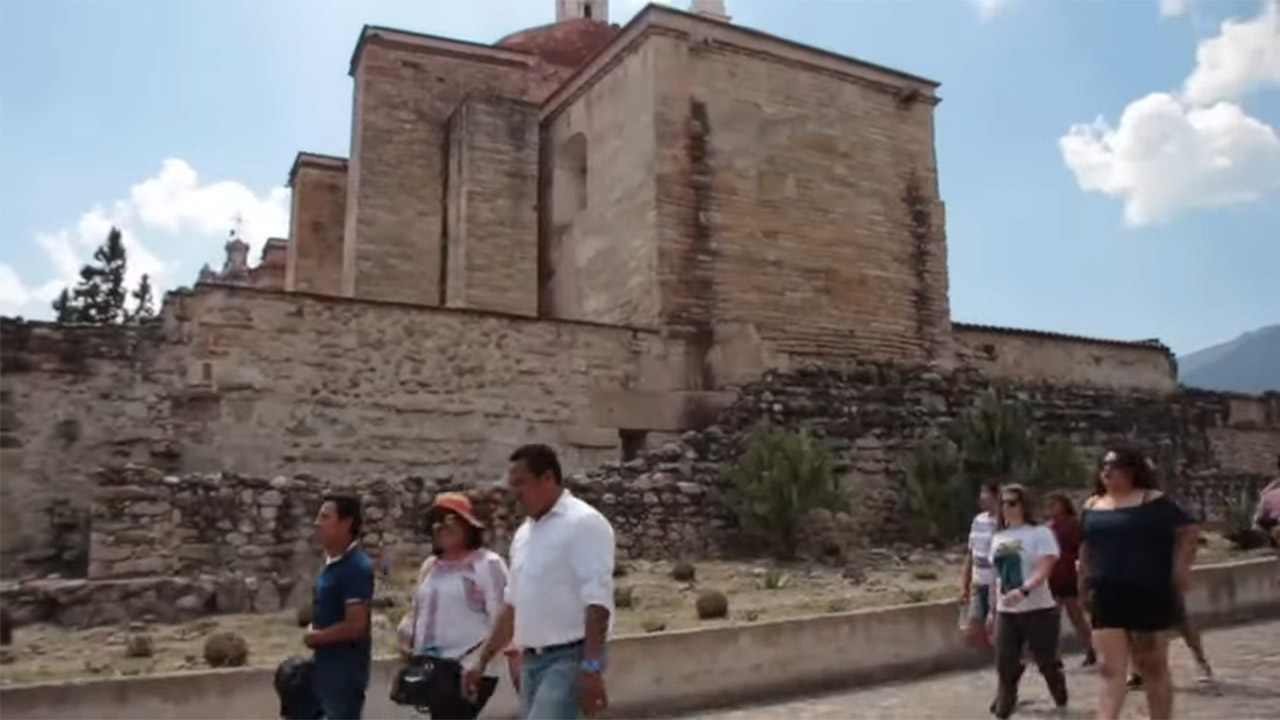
{"x": 473, "y": 537}
{"x": 540, "y": 459}
{"x": 1132, "y": 461}
{"x": 991, "y": 486}
{"x": 1024, "y": 499}
{"x": 1063, "y": 499}
{"x": 347, "y": 507}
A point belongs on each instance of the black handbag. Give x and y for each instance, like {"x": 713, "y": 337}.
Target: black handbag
{"x": 425, "y": 681}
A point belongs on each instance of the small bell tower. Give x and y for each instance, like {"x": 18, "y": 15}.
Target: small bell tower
{"x": 713, "y": 9}
{"x": 597, "y": 10}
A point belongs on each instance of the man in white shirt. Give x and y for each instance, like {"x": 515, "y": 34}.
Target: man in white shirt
{"x": 978, "y": 575}
{"x": 559, "y": 600}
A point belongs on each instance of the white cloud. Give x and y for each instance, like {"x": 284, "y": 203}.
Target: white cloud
{"x": 1169, "y": 153}
{"x": 173, "y": 210}
{"x": 989, "y": 8}
{"x": 1174, "y": 8}
{"x": 1164, "y": 158}
{"x": 175, "y": 202}
{"x": 15, "y": 295}
{"x": 1243, "y": 56}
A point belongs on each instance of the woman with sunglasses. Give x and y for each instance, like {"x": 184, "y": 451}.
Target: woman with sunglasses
{"x": 1026, "y": 616}
{"x": 1134, "y": 563}
{"x": 456, "y": 601}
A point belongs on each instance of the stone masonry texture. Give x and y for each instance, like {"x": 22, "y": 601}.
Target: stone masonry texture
{"x": 314, "y": 260}
{"x": 281, "y": 383}
{"x": 782, "y": 202}
{"x": 269, "y": 384}
{"x": 180, "y": 546}
{"x": 492, "y": 213}
{"x": 600, "y": 205}
{"x": 1065, "y": 360}
{"x": 395, "y": 211}
{"x": 679, "y": 228}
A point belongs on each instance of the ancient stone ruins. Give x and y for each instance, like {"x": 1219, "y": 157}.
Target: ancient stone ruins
{"x": 632, "y": 243}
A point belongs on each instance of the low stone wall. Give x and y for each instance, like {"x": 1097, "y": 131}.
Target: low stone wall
{"x": 660, "y": 673}
{"x": 146, "y": 523}
{"x": 79, "y": 603}
{"x": 175, "y": 547}
{"x": 1216, "y": 450}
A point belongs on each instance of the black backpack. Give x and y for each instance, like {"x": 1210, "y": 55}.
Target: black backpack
{"x": 298, "y": 699}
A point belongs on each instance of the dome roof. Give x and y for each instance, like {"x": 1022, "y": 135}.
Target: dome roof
{"x": 567, "y": 44}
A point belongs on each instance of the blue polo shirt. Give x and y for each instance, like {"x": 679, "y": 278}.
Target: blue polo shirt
{"x": 343, "y": 580}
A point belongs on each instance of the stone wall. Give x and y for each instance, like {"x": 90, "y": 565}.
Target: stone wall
{"x": 406, "y": 88}
{"x": 797, "y": 192}
{"x": 873, "y": 415}
{"x": 274, "y": 383}
{"x": 147, "y": 523}
{"x": 1040, "y": 357}
{"x": 319, "y": 194}
{"x": 491, "y": 219}
{"x": 599, "y": 203}
{"x": 175, "y": 547}
{"x": 199, "y": 543}
{"x": 71, "y": 399}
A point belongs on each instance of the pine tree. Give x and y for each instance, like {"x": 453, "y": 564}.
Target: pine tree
{"x": 99, "y": 297}
{"x": 64, "y": 311}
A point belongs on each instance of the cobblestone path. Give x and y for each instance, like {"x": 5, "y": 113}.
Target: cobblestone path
{"x": 1245, "y": 659}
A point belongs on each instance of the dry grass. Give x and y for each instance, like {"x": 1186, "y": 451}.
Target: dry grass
{"x": 756, "y": 592}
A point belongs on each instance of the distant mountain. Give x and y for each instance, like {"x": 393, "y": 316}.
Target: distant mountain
{"x": 1250, "y": 363}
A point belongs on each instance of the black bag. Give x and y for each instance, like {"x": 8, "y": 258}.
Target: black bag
{"x": 293, "y": 684}
{"x": 425, "y": 681}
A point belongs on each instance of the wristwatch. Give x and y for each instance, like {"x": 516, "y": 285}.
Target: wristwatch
{"x": 591, "y": 667}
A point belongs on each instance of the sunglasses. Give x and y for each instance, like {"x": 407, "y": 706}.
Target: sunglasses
{"x": 1011, "y": 502}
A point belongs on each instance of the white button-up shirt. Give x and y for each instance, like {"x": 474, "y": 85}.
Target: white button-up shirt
{"x": 560, "y": 564}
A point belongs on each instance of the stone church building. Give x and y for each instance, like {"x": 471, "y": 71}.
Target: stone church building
{"x": 585, "y": 234}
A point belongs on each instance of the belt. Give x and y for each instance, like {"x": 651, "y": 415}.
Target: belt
{"x": 552, "y": 648}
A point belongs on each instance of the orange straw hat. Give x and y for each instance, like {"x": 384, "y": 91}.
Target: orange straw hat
{"x": 458, "y": 503}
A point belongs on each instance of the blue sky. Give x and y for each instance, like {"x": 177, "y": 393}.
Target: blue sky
{"x": 1162, "y": 221}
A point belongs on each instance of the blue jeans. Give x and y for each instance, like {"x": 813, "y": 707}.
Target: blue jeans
{"x": 549, "y": 685}
{"x": 340, "y": 688}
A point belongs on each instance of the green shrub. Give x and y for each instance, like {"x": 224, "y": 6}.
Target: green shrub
{"x": 994, "y": 440}
{"x": 997, "y": 439}
{"x": 939, "y": 499}
{"x": 1058, "y": 466}
{"x": 781, "y": 477}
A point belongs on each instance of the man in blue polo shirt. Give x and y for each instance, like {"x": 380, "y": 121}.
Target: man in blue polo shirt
{"x": 339, "y": 631}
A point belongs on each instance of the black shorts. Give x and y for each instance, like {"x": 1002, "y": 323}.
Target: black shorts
{"x": 1137, "y": 608}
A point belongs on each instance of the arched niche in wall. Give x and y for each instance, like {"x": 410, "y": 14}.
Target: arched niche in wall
{"x": 569, "y": 183}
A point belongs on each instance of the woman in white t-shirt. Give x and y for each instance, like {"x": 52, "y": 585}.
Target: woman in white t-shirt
{"x": 1025, "y": 615}
{"x": 456, "y": 601}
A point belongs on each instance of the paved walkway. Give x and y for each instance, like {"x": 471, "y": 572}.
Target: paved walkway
{"x": 1246, "y": 660}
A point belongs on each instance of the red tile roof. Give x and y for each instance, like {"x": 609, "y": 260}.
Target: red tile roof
{"x": 568, "y": 44}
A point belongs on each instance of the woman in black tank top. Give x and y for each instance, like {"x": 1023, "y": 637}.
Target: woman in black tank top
{"x": 1134, "y": 561}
